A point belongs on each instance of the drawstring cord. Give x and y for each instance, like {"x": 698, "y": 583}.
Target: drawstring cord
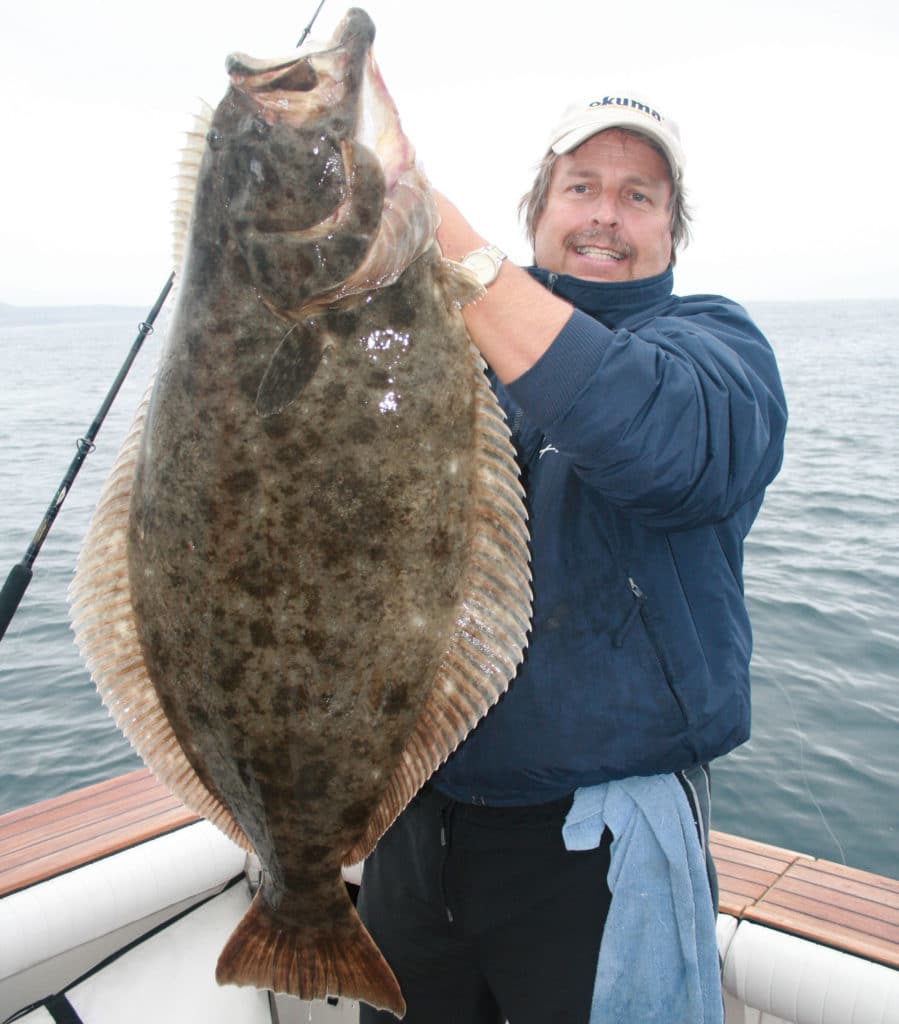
{"x": 446, "y": 820}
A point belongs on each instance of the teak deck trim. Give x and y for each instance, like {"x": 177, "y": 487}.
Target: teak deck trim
{"x": 66, "y": 832}
{"x": 828, "y": 903}
{"x": 825, "y": 902}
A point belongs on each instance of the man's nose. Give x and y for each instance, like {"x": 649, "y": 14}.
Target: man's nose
{"x": 605, "y": 209}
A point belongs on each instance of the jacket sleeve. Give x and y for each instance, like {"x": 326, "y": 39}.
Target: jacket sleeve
{"x": 680, "y": 421}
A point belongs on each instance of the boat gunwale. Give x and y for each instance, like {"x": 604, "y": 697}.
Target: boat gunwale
{"x": 840, "y": 907}
{"x": 63, "y": 833}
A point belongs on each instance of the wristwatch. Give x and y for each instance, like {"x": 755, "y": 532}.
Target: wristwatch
{"x": 484, "y": 263}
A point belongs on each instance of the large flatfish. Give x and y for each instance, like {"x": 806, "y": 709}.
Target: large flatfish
{"x": 306, "y": 579}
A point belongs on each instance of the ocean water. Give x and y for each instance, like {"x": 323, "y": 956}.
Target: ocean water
{"x": 821, "y": 772}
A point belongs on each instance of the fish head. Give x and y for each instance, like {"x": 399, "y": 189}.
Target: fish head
{"x": 314, "y": 176}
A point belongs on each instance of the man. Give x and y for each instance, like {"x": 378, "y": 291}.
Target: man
{"x": 647, "y": 427}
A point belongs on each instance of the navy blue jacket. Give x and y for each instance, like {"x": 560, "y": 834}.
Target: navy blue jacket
{"x": 646, "y": 436}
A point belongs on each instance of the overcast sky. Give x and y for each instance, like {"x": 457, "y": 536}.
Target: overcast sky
{"x": 787, "y": 111}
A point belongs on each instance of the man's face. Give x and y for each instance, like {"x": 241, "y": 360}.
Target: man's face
{"x": 606, "y": 216}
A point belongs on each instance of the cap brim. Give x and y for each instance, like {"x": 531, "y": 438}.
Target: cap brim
{"x": 573, "y": 138}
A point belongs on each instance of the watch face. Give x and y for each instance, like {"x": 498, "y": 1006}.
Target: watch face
{"x": 484, "y": 265}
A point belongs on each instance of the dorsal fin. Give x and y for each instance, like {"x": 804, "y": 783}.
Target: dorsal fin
{"x": 186, "y": 176}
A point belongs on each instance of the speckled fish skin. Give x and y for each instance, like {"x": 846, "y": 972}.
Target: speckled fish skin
{"x": 300, "y": 521}
{"x": 307, "y": 579}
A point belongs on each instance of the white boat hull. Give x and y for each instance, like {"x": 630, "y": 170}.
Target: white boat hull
{"x": 135, "y": 936}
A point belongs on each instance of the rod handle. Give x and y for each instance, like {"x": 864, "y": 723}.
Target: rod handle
{"x": 15, "y": 586}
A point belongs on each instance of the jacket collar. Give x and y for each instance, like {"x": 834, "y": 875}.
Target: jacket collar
{"x": 611, "y": 302}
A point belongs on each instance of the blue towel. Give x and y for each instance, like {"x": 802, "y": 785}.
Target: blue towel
{"x": 658, "y": 961}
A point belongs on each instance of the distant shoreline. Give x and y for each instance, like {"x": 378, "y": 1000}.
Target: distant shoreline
{"x": 13, "y": 316}
{"x": 36, "y": 316}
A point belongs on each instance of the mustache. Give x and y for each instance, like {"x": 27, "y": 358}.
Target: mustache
{"x": 600, "y": 239}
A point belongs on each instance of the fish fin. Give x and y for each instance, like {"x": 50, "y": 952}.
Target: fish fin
{"x": 313, "y": 959}
{"x": 490, "y": 629}
{"x": 291, "y": 368}
{"x": 186, "y": 176}
{"x": 460, "y": 286}
{"x": 106, "y": 634}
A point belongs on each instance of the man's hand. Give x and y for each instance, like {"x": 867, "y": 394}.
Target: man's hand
{"x": 518, "y": 319}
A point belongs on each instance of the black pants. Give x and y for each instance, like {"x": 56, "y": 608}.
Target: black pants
{"x": 483, "y": 914}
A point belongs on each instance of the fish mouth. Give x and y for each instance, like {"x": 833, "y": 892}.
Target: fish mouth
{"x": 339, "y": 91}
{"x": 291, "y": 74}
{"x": 340, "y": 81}
{"x": 297, "y": 89}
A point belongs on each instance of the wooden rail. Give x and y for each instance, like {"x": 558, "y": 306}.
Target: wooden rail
{"x": 57, "y": 835}
{"x": 828, "y": 903}
{"x": 834, "y": 905}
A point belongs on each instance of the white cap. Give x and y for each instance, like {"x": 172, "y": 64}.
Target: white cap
{"x": 589, "y": 116}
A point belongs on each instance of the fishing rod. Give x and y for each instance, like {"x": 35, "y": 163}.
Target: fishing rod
{"x": 308, "y": 28}
{"x": 20, "y": 575}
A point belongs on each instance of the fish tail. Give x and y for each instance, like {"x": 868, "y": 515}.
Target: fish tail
{"x": 311, "y": 960}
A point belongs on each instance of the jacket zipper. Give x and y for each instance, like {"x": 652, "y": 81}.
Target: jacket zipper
{"x": 515, "y": 423}
{"x": 639, "y": 608}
